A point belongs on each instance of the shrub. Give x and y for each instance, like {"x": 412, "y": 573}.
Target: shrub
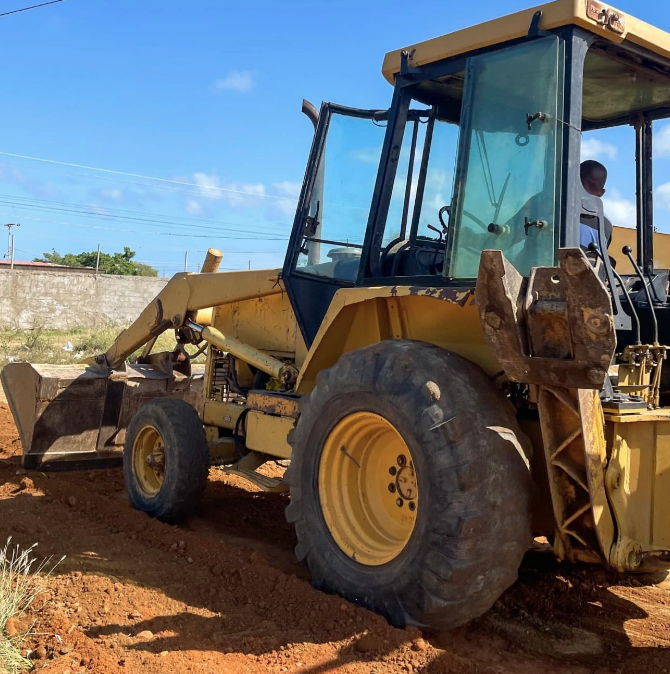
{"x": 22, "y": 580}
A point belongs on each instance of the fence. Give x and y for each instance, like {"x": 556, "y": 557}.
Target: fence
{"x": 64, "y": 300}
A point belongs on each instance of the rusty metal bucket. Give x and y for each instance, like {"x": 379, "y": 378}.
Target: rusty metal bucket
{"x": 74, "y": 416}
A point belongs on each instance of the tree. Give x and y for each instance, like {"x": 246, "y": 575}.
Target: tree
{"x": 121, "y": 264}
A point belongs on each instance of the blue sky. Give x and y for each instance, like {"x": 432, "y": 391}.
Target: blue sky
{"x": 207, "y": 95}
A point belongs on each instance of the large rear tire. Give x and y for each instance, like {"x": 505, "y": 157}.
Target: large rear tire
{"x": 166, "y": 459}
{"x": 433, "y": 538}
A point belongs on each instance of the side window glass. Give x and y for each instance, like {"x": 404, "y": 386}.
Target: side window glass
{"x": 608, "y": 157}
{"x": 436, "y": 203}
{"x": 403, "y": 197}
{"x": 340, "y": 202}
{"x": 507, "y": 186}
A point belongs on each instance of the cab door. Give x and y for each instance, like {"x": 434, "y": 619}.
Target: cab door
{"x": 324, "y": 252}
{"x": 507, "y": 186}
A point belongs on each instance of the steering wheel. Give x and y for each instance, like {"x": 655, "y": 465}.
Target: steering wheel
{"x": 387, "y": 250}
{"x": 474, "y": 249}
{"x": 447, "y": 210}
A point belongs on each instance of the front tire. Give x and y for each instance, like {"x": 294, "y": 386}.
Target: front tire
{"x": 166, "y": 459}
{"x": 433, "y": 538}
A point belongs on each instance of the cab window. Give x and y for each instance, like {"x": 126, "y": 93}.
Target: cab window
{"x": 507, "y": 186}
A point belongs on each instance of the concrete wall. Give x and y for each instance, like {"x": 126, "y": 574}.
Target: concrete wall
{"x": 63, "y": 300}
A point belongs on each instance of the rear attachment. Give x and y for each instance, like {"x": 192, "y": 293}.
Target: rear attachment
{"x": 74, "y": 416}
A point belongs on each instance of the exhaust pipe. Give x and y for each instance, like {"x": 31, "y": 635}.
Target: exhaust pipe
{"x": 311, "y": 112}
{"x": 314, "y": 248}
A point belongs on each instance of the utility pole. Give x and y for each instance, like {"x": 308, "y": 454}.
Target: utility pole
{"x": 9, "y": 226}
{"x": 11, "y": 263}
{"x": 97, "y": 261}
{"x": 186, "y": 261}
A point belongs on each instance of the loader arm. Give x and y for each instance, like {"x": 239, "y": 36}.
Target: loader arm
{"x": 186, "y": 293}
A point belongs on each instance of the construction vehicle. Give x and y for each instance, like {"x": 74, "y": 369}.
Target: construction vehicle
{"x": 448, "y": 371}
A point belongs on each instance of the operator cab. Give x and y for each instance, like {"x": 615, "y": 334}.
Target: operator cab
{"x": 480, "y": 149}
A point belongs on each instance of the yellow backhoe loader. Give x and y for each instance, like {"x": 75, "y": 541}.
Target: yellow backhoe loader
{"x": 450, "y": 369}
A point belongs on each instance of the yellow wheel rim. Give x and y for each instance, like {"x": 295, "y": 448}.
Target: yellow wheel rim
{"x": 149, "y": 460}
{"x": 368, "y": 488}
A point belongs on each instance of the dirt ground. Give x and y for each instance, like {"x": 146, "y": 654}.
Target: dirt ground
{"x": 223, "y": 593}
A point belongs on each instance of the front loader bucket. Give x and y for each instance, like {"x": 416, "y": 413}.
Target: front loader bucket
{"x": 73, "y": 416}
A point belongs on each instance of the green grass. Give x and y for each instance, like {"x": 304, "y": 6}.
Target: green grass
{"x": 39, "y": 345}
{"x": 21, "y": 582}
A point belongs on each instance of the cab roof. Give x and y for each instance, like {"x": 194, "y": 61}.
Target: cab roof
{"x": 601, "y": 19}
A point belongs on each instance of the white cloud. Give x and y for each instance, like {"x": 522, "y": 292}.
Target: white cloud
{"x": 619, "y": 210}
{"x": 288, "y": 188}
{"x": 592, "y": 148}
{"x": 280, "y": 198}
{"x": 112, "y": 194}
{"x": 36, "y": 188}
{"x": 242, "y": 81}
{"x": 193, "y": 207}
{"x": 662, "y": 141}
{"x": 663, "y": 196}
{"x": 438, "y": 189}
{"x": 367, "y": 155}
{"x": 234, "y": 194}
{"x": 284, "y": 208}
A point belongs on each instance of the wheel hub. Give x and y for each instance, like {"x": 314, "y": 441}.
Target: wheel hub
{"x": 368, "y": 488}
{"x": 149, "y": 460}
{"x": 406, "y": 483}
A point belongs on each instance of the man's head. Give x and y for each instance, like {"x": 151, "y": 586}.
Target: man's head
{"x": 594, "y": 177}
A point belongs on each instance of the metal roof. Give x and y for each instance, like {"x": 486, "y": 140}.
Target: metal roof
{"x": 601, "y": 19}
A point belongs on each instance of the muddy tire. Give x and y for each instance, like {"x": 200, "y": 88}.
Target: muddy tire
{"x": 471, "y": 514}
{"x": 166, "y": 459}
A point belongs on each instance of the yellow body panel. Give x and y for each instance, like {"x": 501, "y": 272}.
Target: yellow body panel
{"x": 186, "y": 294}
{"x": 358, "y": 317}
{"x": 250, "y": 355}
{"x": 273, "y": 403}
{"x": 223, "y": 415}
{"x": 638, "y": 476}
{"x": 514, "y": 26}
{"x": 267, "y": 323}
{"x": 267, "y": 434}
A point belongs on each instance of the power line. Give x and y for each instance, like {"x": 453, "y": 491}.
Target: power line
{"x": 143, "y": 177}
{"x": 171, "y": 188}
{"x": 110, "y": 213}
{"x": 44, "y": 205}
{"x": 25, "y": 9}
{"x": 211, "y": 237}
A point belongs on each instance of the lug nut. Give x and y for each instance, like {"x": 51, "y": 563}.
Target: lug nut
{"x": 392, "y": 487}
{"x": 399, "y": 502}
{"x": 401, "y": 460}
{"x": 412, "y": 506}
{"x": 392, "y": 470}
